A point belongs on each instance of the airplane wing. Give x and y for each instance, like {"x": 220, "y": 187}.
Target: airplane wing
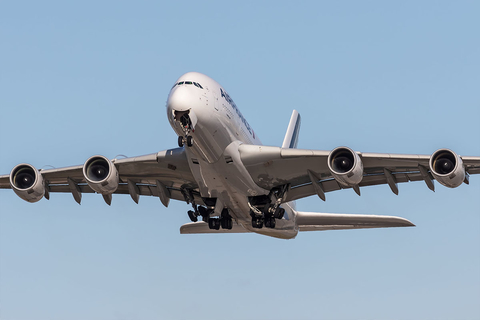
{"x": 138, "y": 176}
{"x": 308, "y": 173}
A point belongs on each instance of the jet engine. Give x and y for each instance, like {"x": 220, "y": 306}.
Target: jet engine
{"x": 27, "y": 182}
{"x": 447, "y": 168}
{"x": 101, "y": 175}
{"x": 345, "y": 166}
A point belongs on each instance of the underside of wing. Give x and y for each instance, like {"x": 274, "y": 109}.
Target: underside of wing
{"x": 309, "y": 172}
{"x": 165, "y": 174}
{"x": 312, "y": 221}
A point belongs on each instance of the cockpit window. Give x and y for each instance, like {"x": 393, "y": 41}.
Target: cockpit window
{"x": 189, "y": 83}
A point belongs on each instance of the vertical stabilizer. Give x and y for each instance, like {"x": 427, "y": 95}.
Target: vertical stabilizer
{"x": 293, "y": 130}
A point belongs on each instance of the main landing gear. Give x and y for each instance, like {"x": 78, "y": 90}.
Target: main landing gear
{"x": 186, "y": 122}
{"x": 264, "y": 210}
{"x": 267, "y": 219}
{"x": 224, "y": 221}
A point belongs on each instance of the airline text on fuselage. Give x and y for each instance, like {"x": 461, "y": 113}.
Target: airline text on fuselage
{"x": 234, "y": 106}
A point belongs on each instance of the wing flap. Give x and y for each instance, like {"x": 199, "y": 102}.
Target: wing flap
{"x": 312, "y": 221}
{"x": 144, "y": 190}
{"x": 332, "y": 185}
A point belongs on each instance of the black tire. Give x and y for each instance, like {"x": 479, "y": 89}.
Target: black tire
{"x": 260, "y": 223}
{"x": 280, "y": 213}
{"x": 192, "y": 216}
{"x": 189, "y": 141}
{"x": 217, "y": 224}
{"x": 227, "y": 224}
{"x": 211, "y": 223}
{"x": 180, "y": 142}
{"x": 267, "y": 223}
{"x": 272, "y": 223}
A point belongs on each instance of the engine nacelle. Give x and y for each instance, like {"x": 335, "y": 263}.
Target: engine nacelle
{"x": 345, "y": 166}
{"x": 27, "y": 182}
{"x": 447, "y": 168}
{"x": 101, "y": 175}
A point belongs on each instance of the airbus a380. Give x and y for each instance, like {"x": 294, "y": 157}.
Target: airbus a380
{"x": 234, "y": 183}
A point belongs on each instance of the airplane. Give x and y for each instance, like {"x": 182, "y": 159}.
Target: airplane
{"x": 233, "y": 182}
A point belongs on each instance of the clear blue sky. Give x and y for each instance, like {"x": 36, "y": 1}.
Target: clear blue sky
{"x": 85, "y": 78}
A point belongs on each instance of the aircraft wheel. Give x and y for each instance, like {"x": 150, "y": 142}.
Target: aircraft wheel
{"x": 257, "y": 223}
{"x": 211, "y": 223}
{"x": 260, "y": 223}
{"x": 180, "y": 141}
{"x": 192, "y": 216}
{"x": 280, "y": 213}
{"x": 267, "y": 223}
{"x": 272, "y": 223}
{"x": 189, "y": 141}
{"x": 226, "y": 223}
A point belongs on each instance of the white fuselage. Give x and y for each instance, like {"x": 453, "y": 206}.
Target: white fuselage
{"x": 218, "y": 129}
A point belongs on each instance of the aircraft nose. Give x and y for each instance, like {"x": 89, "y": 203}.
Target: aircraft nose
{"x": 181, "y": 99}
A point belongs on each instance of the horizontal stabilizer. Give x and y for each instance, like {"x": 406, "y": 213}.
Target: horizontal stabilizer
{"x": 202, "y": 227}
{"x": 312, "y": 221}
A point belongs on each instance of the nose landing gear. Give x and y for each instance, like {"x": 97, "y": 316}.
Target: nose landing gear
{"x": 187, "y": 127}
{"x": 187, "y": 139}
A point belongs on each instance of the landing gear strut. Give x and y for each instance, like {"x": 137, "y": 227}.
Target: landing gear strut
{"x": 189, "y": 199}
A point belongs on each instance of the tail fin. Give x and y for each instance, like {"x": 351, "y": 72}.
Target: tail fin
{"x": 291, "y": 137}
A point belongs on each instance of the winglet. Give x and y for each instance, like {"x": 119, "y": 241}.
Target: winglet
{"x": 291, "y": 137}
